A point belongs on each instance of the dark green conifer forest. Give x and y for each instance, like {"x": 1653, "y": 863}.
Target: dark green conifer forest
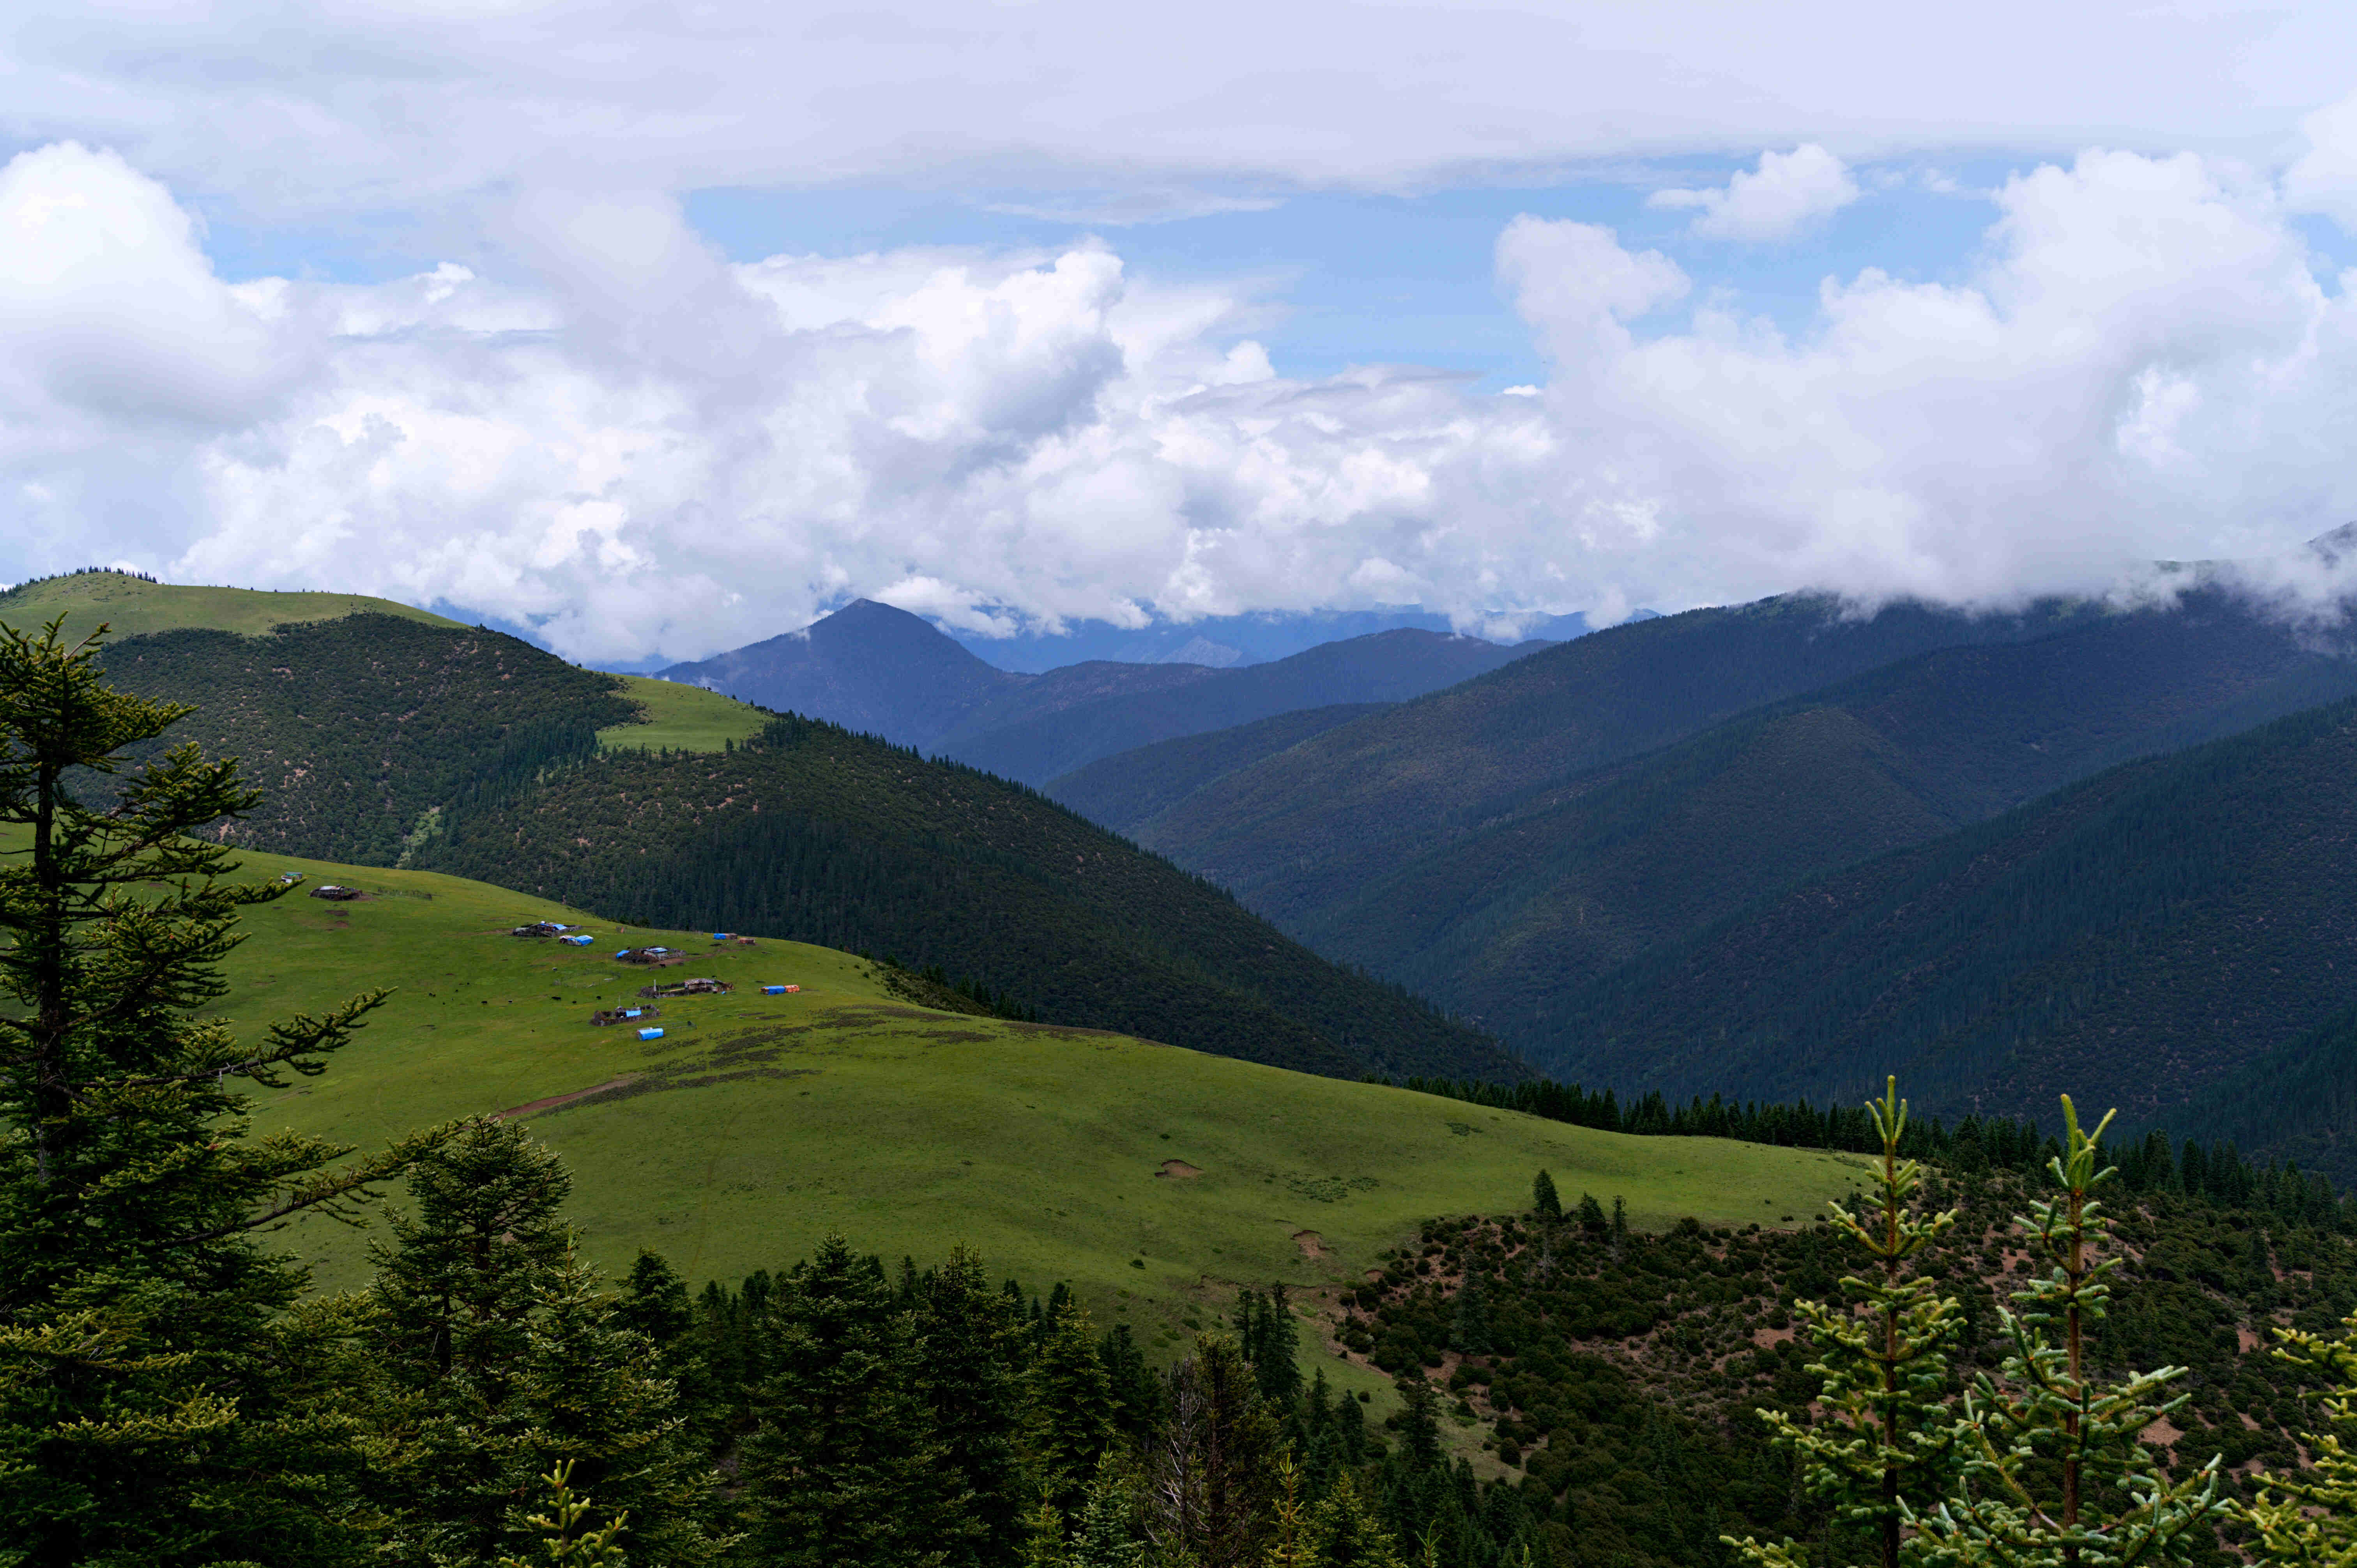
{"x": 812, "y": 833}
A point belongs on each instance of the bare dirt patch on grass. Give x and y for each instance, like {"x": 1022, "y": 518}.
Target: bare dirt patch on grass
{"x": 1312, "y": 1244}
{"x": 1178, "y": 1170}
{"x": 553, "y": 1100}
{"x": 1070, "y": 1032}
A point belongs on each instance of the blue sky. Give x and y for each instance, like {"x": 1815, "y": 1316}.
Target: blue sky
{"x": 1371, "y": 277}
{"x": 1361, "y": 278}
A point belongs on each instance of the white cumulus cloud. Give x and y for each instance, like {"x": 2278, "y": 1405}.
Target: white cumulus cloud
{"x": 597, "y": 426}
{"x": 1785, "y": 195}
{"x": 2324, "y": 178}
{"x": 2143, "y": 366}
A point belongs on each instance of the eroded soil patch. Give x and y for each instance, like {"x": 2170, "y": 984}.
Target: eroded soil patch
{"x": 553, "y": 1100}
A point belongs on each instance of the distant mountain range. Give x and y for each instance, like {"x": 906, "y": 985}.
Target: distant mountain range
{"x": 1227, "y": 642}
{"x": 1310, "y": 825}
{"x": 884, "y": 672}
{"x": 1016, "y": 740}
{"x": 867, "y": 667}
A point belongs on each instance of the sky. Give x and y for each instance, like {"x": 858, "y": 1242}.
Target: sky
{"x": 657, "y": 328}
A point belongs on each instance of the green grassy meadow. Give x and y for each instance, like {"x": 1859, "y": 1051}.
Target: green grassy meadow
{"x": 681, "y": 717}
{"x": 758, "y": 1123}
{"x": 134, "y": 608}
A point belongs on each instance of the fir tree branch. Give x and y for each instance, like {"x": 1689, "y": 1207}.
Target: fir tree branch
{"x": 335, "y": 1194}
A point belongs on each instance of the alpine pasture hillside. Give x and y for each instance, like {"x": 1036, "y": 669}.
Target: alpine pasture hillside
{"x": 670, "y": 716}
{"x": 133, "y": 607}
{"x": 1151, "y": 1177}
{"x": 381, "y": 740}
{"x": 814, "y": 833}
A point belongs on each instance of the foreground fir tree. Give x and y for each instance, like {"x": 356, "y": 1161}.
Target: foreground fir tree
{"x": 965, "y": 1372}
{"x": 593, "y": 1396}
{"x": 1070, "y": 1421}
{"x": 1886, "y": 1442}
{"x": 1344, "y": 1531}
{"x": 147, "y": 1351}
{"x": 2055, "y": 1475}
{"x": 2313, "y": 1523}
{"x": 1110, "y": 1529}
{"x": 841, "y": 1465}
{"x": 499, "y": 1355}
{"x": 1214, "y": 1469}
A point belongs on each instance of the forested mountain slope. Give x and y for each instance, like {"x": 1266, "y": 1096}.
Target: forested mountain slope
{"x": 358, "y": 729}
{"x": 2296, "y": 1102}
{"x": 1504, "y": 921}
{"x": 1133, "y": 788}
{"x": 814, "y": 833}
{"x": 1308, "y": 827}
{"x": 2137, "y": 939}
{"x": 1384, "y": 667}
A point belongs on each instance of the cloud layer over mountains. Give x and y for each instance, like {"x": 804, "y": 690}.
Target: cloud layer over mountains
{"x": 612, "y": 431}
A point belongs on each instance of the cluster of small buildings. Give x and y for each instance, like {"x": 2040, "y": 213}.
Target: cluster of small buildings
{"x": 689, "y": 988}
{"x": 572, "y": 936}
{"x": 653, "y": 956}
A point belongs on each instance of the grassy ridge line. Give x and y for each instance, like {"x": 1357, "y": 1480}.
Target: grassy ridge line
{"x": 683, "y": 718}
{"x": 134, "y": 607}
{"x": 905, "y": 1128}
{"x": 679, "y": 717}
